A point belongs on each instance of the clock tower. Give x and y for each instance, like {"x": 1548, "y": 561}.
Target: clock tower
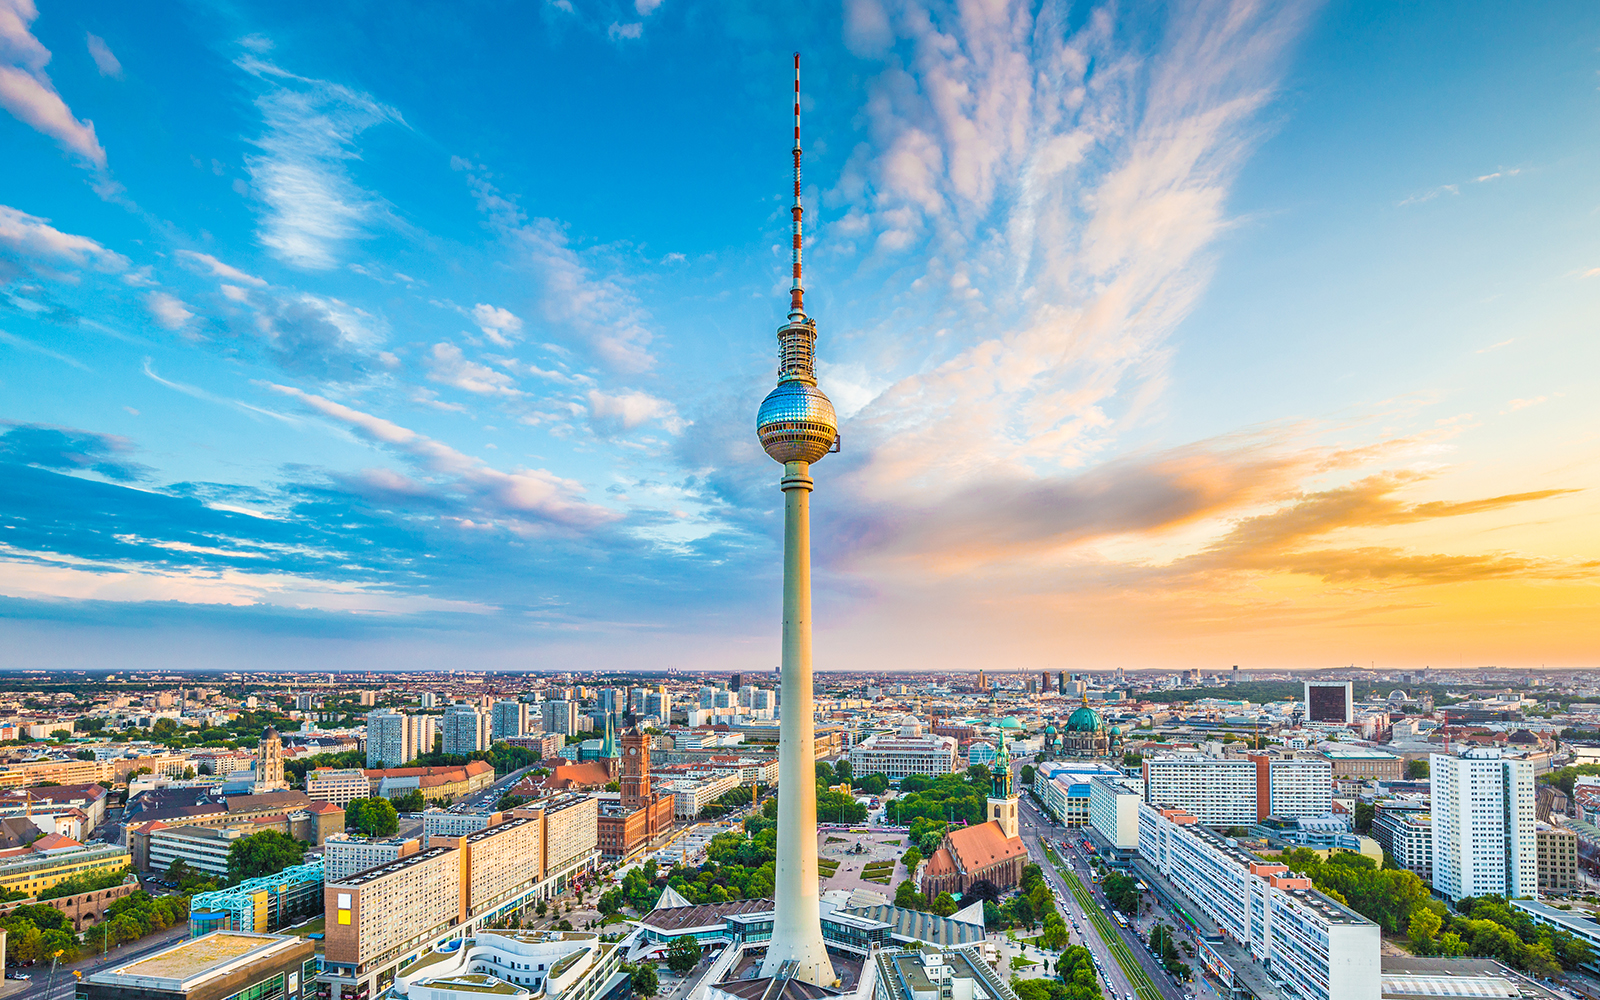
{"x": 635, "y": 770}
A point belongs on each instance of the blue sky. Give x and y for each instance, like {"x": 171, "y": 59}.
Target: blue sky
{"x": 337, "y": 336}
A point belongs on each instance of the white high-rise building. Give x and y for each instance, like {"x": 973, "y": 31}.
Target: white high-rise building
{"x": 508, "y": 718}
{"x": 1296, "y": 786}
{"x": 389, "y": 739}
{"x": 1483, "y": 824}
{"x": 466, "y": 729}
{"x": 1216, "y": 791}
{"x": 424, "y": 728}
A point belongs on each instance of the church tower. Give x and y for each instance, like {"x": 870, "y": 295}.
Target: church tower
{"x": 269, "y": 763}
{"x": 1002, "y": 800}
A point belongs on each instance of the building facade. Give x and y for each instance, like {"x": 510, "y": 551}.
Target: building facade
{"x": 507, "y": 718}
{"x": 640, "y": 813}
{"x": 908, "y": 750}
{"x": 344, "y": 857}
{"x": 1557, "y": 849}
{"x": 259, "y": 905}
{"x": 1216, "y": 791}
{"x": 1114, "y": 816}
{"x": 390, "y": 740}
{"x": 341, "y": 786}
{"x": 1405, "y": 830}
{"x": 465, "y": 729}
{"x": 1483, "y": 824}
{"x": 1323, "y": 949}
{"x": 1292, "y": 787}
{"x": 1362, "y": 764}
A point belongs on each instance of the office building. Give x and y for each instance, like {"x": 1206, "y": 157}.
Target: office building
{"x": 1557, "y": 849}
{"x": 390, "y": 740}
{"x": 260, "y": 905}
{"x": 344, "y": 857}
{"x": 221, "y": 966}
{"x": 907, "y": 750}
{"x": 1331, "y": 702}
{"x": 341, "y": 786}
{"x": 559, "y": 717}
{"x": 507, "y": 718}
{"x": 52, "y": 858}
{"x": 1216, "y": 791}
{"x": 1062, "y": 789}
{"x": 1404, "y": 828}
{"x": 658, "y": 704}
{"x": 1114, "y": 816}
{"x": 465, "y": 729}
{"x": 1483, "y": 824}
{"x": 1321, "y": 948}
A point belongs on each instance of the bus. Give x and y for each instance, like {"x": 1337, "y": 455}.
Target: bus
{"x": 1122, "y": 921}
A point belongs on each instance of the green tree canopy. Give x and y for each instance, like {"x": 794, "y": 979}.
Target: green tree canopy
{"x": 264, "y": 853}
{"x": 683, "y": 954}
{"x": 375, "y": 817}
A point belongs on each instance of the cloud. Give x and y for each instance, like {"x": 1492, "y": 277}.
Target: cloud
{"x": 624, "y": 411}
{"x": 646, "y": 7}
{"x": 320, "y": 337}
{"x": 312, "y": 205}
{"x": 217, "y": 268}
{"x": 1523, "y": 404}
{"x": 618, "y": 32}
{"x": 167, "y": 310}
{"x": 1429, "y": 195}
{"x": 70, "y": 450}
{"x": 104, "y": 61}
{"x": 26, "y": 90}
{"x": 33, "y": 237}
{"x": 568, "y": 291}
{"x": 499, "y": 325}
{"x": 533, "y": 498}
{"x": 447, "y": 366}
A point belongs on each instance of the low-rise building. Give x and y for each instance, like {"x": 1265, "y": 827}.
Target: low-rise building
{"x": 691, "y": 795}
{"x": 1364, "y": 764}
{"x": 907, "y": 750}
{"x": 53, "y": 858}
{"x": 339, "y": 785}
{"x": 220, "y": 966}
{"x": 519, "y": 965}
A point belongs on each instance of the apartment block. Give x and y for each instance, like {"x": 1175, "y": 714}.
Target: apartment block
{"x": 571, "y": 830}
{"x": 1216, "y": 791}
{"x": 378, "y": 915}
{"x": 465, "y": 729}
{"x": 500, "y": 861}
{"x": 1404, "y": 828}
{"x": 1557, "y": 849}
{"x": 1321, "y": 948}
{"x": 559, "y": 717}
{"x": 1483, "y": 824}
{"x": 1114, "y": 815}
{"x": 1293, "y": 787}
{"x": 507, "y": 718}
{"x": 390, "y": 739}
{"x": 343, "y": 858}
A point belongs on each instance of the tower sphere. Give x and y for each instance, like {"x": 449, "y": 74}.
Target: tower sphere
{"x": 796, "y": 423}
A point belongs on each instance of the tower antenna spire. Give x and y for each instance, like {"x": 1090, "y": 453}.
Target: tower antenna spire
{"x": 797, "y": 290}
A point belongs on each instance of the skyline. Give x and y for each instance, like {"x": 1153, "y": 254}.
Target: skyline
{"x": 1251, "y": 336}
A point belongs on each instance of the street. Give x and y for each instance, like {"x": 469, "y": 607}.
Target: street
{"x": 66, "y": 984}
{"x": 1033, "y": 825}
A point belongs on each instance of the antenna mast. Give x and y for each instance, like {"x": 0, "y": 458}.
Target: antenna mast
{"x": 797, "y": 308}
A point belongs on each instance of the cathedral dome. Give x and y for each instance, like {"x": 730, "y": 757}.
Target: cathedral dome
{"x": 1084, "y": 720}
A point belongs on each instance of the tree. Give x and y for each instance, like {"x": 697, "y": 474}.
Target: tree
{"x": 907, "y": 897}
{"x": 912, "y": 858}
{"x": 264, "y": 853}
{"x": 646, "y": 983}
{"x": 1365, "y": 812}
{"x": 542, "y": 908}
{"x": 410, "y": 802}
{"x": 1131, "y": 759}
{"x": 683, "y": 954}
{"x": 375, "y": 817}
{"x": 164, "y": 727}
{"x": 873, "y": 784}
{"x": 1122, "y": 892}
{"x": 1417, "y": 769}
{"x": 1027, "y": 774}
{"x": 943, "y": 904}
{"x": 1424, "y": 925}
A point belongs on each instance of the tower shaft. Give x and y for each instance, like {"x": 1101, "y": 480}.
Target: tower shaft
{"x": 797, "y": 923}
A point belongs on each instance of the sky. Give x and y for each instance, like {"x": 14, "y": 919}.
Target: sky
{"x": 431, "y": 335}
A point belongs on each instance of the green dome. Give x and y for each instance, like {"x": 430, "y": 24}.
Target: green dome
{"x": 1010, "y": 722}
{"x": 1051, "y": 728}
{"x": 1084, "y": 720}
{"x": 1116, "y": 730}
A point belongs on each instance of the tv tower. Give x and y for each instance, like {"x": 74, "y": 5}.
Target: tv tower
{"x": 797, "y": 426}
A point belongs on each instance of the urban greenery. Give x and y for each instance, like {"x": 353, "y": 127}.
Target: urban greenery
{"x": 135, "y": 915}
{"x": 683, "y": 954}
{"x": 90, "y": 882}
{"x": 1077, "y": 980}
{"x": 264, "y": 853}
{"x": 375, "y": 817}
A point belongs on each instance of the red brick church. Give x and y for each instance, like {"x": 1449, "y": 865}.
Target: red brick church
{"x": 990, "y": 851}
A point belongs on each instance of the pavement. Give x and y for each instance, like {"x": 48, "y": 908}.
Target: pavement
{"x": 877, "y": 846}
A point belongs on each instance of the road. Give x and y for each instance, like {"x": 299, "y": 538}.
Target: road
{"x": 1097, "y": 935}
{"x": 66, "y": 984}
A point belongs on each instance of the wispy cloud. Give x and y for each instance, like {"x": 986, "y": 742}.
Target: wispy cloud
{"x": 498, "y": 324}
{"x": 32, "y": 237}
{"x": 211, "y": 265}
{"x": 312, "y": 205}
{"x": 569, "y": 291}
{"x": 624, "y": 411}
{"x": 533, "y": 498}
{"x": 168, "y": 310}
{"x": 620, "y": 32}
{"x": 26, "y": 90}
{"x": 103, "y": 58}
{"x": 448, "y": 366}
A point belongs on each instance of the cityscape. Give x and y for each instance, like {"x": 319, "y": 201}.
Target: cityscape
{"x": 1161, "y": 564}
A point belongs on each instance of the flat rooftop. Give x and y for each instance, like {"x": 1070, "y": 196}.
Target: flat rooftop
{"x": 389, "y": 868}
{"x": 178, "y": 968}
